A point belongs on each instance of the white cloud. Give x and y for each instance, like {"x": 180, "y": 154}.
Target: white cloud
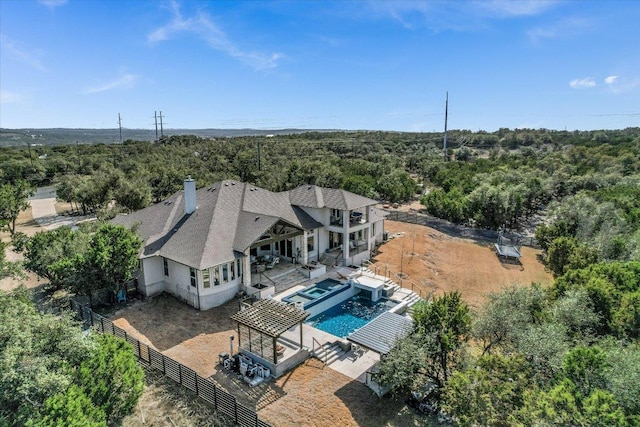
{"x": 569, "y": 27}
{"x": 7, "y": 97}
{"x": 203, "y": 26}
{"x": 457, "y": 15}
{"x": 509, "y": 8}
{"x": 610, "y": 80}
{"x": 125, "y": 81}
{"x": 13, "y": 50}
{"x": 53, "y": 3}
{"x": 617, "y": 84}
{"x": 582, "y": 83}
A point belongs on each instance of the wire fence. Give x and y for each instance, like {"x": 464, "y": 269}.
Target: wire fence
{"x": 221, "y": 400}
{"x": 457, "y": 230}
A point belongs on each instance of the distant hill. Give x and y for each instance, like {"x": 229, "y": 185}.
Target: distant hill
{"x": 63, "y": 136}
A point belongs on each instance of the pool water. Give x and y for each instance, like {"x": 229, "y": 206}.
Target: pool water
{"x": 344, "y": 318}
{"x": 317, "y": 293}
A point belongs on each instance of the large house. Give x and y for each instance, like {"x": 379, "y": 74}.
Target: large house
{"x": 202, "y": 245}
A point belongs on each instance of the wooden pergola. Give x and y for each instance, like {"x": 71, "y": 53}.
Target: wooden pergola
{"x": 261, "y": 324}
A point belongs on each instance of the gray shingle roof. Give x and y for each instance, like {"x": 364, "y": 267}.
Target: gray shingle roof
{"x": 312, "y": 196}
{"x": 230, "y": 216}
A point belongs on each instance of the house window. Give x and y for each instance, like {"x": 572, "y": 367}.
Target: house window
{"x": 216, "y": 275}
{"x": 192, "y": 273}
{"x": 310, "y": 243}
{"x": 336, "y": 213}
{"x": 265, "y": 247}
{"x": 373, "y": 229}
{"x": 239, "y": 268}
{"x": 206, "y": 278}
{"x": 225, "y": 273}
{"x": 233, "y": 270}
{"x": 165, "y": 266}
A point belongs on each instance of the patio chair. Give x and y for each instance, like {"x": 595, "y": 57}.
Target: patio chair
{"x": 122, "y": 296}
{"x": 271, "y": 261}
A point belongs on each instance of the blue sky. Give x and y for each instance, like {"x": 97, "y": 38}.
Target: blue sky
{"x": 348, "y": 65}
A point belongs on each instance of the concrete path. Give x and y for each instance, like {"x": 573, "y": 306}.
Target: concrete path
{"x": 43, "y": 210}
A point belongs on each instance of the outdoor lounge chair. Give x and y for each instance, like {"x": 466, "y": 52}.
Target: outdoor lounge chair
{"x": 271, "y": 261}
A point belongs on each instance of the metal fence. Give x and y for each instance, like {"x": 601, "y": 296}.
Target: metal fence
{"x": 457, "y": 230}
{"x": 221, "y": 400}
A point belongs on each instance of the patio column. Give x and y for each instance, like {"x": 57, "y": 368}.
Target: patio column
{"x": 305, "y": 250}
{"x": 345, "y": 234}
{"x": 246, "y": 269}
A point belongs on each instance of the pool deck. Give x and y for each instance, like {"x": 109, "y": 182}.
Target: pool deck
{"x": 350, "y": 363}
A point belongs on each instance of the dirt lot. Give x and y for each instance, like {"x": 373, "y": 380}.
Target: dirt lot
{"x": 195, "y": 339}
{"x": 436, "y": 262}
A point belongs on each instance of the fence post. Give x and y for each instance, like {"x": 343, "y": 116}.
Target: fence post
{"x": 197, "y": 390}
{"x": 139, "y": 351}
{"x": 91, "y": 316}
{"x": 215, "y": 396}
{"x": 180, "y": 372}
{"x": 164, "y": 368}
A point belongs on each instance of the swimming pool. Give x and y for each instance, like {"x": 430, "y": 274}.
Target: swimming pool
{"x": 317, "y": 293}
{"x": 344, "y": 318}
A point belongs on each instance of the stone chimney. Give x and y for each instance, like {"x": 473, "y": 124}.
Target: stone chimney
{"x": 189, "y": 195}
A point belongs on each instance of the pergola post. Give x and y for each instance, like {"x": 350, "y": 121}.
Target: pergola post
{"x": 275, "y": 351}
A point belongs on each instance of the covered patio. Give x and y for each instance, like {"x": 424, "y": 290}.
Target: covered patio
{"x": 261, "y": 324}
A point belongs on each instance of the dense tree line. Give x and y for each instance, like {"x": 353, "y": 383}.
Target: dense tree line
{"x": 477, "y": 181}
{"x": 53, "y": 374}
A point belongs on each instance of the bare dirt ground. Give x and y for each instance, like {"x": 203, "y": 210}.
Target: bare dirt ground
{"x": 310, "y": 395}
{"x": 436, "y": 262}
{"x": 314, "y": 395}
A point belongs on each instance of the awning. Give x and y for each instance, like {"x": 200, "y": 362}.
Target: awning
{"x": 381, "y": 334}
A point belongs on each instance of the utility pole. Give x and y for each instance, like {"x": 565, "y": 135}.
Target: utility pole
{"x": 155, "y": 116}
{"x": 30, "y": 157}
{"x": 78, "y": 152}
{"x": 120, "y": 127}
{"x": 258, "y": 154}
{"x": 161, "y": 128}
{"x": 446, "y": 116}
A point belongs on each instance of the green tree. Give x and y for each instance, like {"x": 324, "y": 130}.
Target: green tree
{"x": 488, "y": 393}
{"x": 38, "y": 353}
{"x": 112, "y": 257}
{"x": 8, "y": 268}
{"x": 133, "y": 194}
{"x": 112, "y": 377}
{"x": 626, "y": 319}
{"x": 442, "y": 326}
{"x": 562, "y": 405}
{"x": 14, "y": 198}
{"x": 69, "y": 409}
{"x": 55, "y": 255}
{"x": 506, "y": 315}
